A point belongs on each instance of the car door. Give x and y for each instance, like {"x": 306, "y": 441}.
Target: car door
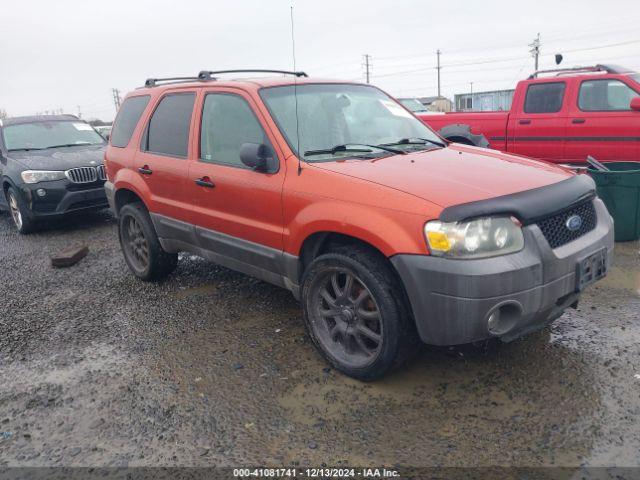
{"x": 162, "y": 160}
{"x": 237, "y": 210}
{"x": 537, "y": 124}
{"x": 601, "y": 122}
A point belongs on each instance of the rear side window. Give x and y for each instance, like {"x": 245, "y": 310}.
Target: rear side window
{"x": 127, "y": 119}
{"x": 605, "y": 95}
{"x": 544, "y": 97}
{"x": 168, "y": 129}
{"x": 227, "y": 123}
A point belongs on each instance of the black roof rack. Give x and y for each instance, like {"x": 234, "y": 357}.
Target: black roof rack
{"x": 208, "y": 75}
{"x": 152, "y": 82}
{"x": 595, "y": 68}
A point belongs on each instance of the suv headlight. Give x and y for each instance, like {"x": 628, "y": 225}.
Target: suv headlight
{"x": 36, "y": 176}
{"x": 479, "y": 238}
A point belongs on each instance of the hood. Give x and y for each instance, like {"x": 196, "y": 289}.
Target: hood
{"x": 453, "y": 175}
{"x": 62, "y": 158}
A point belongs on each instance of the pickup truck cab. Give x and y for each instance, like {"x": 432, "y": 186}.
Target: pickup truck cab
{"x": 335, "y": 191}
{"x": 560, "y": 116}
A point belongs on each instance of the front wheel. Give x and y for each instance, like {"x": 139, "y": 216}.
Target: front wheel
{"x": 19, "y": 213}
{"x": 355, "y": 313}
{"x": 140, "y": 245}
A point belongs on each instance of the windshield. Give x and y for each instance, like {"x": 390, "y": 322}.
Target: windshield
{"x": 41, "y": 135}
{"x": 342, "y": 114}
{"x": 413, "y": 104}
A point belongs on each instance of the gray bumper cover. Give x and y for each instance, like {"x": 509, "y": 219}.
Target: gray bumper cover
{"x": 452, "y": 299}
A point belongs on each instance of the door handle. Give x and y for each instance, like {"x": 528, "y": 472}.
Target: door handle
{"x": 578, "y": 120}
{"x": 525, "y": 122}
{"x": 205, "y": 182}
{"x": 145, "y": 170}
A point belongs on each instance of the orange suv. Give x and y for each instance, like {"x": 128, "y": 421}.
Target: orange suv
{"x": 386, "y": 233}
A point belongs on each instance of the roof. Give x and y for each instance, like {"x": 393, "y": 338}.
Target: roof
{"x": 39, "y": 118}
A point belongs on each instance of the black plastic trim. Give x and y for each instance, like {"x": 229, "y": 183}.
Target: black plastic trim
{"x": 527, "y": 206}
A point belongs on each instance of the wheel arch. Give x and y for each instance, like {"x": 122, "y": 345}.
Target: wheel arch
{"x": 461, "y": 133}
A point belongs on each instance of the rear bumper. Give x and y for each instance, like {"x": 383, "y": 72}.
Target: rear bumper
{"x": 452, "y": 300}
{"x": 62, "y": 198}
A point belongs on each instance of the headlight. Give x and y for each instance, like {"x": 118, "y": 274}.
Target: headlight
{"x": 36, "y": 176}
{"x": 479, "y": 238}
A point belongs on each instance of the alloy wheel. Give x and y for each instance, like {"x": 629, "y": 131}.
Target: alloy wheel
{"x": 15, "y": 211}
{"x": 346, "y": 319}
{"x": 135, "y": 243}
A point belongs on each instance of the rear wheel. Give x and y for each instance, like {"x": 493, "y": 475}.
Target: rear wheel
{"x": 19, "y": 213}
{"x": 356, "y": 315}
{"x": 140, "y": 245}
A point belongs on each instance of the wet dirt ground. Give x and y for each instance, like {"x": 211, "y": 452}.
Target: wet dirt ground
{"x": 212, "y": 367}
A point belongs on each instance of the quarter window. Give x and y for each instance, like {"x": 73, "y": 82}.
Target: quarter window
{"x": 227, "y": 123}
{"x": 544, "y": 97}
{"x": 127, "y": 119}
{"x": 168, "y": 129}
{"x": 605, "y": 95}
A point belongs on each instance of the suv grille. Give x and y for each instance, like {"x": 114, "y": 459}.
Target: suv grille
{"x": 102, "y": 173}
{"x": 555, "y": 227}
{"x": 82, "y": 175}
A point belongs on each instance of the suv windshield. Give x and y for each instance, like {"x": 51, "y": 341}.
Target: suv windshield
{"x": 332, "y": 115}
{"x": 48, "y": 134}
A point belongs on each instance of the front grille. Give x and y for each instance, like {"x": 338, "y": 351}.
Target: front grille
{"x": 102, "y": 173}
{"x": 555, "y": 227}
{"x": 82, "y": 175}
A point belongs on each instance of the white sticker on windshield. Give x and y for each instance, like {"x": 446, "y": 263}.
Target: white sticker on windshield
{"x": 82, "y": 126}
{"x": 395, "y": 109}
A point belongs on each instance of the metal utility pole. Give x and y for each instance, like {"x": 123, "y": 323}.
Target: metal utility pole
{"x": 367, "y": 66}
{"x": 535, "y": 50}
{"x": 438, "y": 67}
{"x": 116, "y": 97}
{"x": 79, "y": 112}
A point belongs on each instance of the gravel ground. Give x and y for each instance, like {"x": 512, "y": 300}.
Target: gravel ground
{"x": 214, "y": 368}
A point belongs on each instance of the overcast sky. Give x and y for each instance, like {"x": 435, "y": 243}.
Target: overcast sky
{"x": 58, "y": 54}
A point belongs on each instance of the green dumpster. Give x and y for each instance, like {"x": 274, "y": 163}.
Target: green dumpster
{"x": 620, "y": 190}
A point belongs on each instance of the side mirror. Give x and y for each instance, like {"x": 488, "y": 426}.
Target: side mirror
{"x": 257, "y": 156}
{"x": 635, "y": 104}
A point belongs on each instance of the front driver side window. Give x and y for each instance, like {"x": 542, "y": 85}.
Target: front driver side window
{"x": 227, "y": 123}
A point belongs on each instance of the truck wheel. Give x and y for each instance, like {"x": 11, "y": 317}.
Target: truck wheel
{"x": 140, "y": 245}
{"x": 356, "y": 315}
{"x": 19, "y": 213}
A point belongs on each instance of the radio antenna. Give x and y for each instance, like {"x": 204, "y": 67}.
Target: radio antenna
{"x": 295, "y": 92}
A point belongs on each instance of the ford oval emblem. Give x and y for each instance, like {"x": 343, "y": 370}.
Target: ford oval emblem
{"x": 574, "y": 222}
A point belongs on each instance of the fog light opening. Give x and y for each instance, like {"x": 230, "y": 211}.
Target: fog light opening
{"x": 502, "y": 318}
{"x": 41, "y": 192}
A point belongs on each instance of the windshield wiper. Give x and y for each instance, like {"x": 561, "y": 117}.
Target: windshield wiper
{"x": 412, "y": 141}
{"x": 25, "y": 149}
{"x": 71, "y": 145}
{"x": 347, "y": 147}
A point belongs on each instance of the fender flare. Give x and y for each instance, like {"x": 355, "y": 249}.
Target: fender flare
{"x": 464, "y": 131}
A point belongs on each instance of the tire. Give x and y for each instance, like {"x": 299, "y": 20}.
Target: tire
{"x": 20, "y": 213}
{"x": 140, "y": 245}
{"x": 344, "y": 327}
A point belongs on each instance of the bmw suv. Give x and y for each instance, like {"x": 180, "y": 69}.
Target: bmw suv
{"x": 50, "y": 166}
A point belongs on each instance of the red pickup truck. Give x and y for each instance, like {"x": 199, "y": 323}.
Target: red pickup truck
{"x": 561, "y": 116}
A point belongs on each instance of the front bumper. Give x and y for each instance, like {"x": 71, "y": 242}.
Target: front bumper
{"x": 453, "y": 299}
{"x": 62, "y": 197}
